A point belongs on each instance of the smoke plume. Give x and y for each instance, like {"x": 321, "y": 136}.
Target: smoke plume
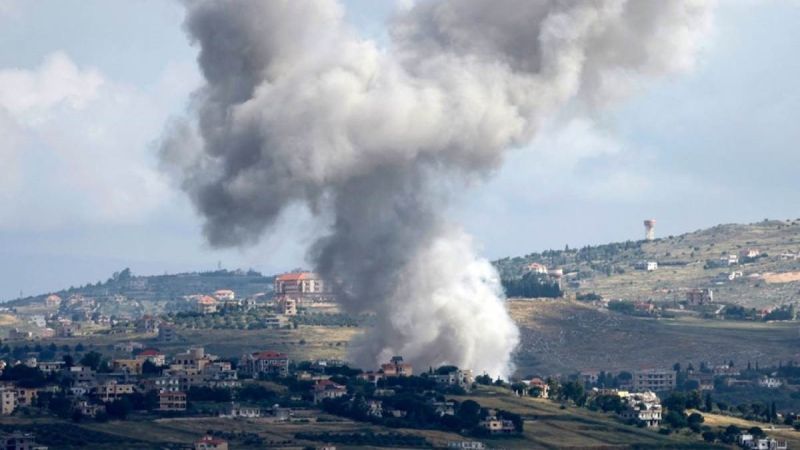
{"x": 298, "y": 108}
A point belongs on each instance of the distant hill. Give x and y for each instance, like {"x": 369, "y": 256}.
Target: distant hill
{"x": 162, "y": 288}
{"x": 690, "y": 260}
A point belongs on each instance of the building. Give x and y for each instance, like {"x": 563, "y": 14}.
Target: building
{"x": 148, "y": 324}
{"x": 265, "y": 363}
{"x": 301, "y": 284}
{"x": 770, "y": 382}
{"x": 705, "y": 381}
{"x": 647, "y": 266}
{"x": 225, "y": 295}
{"x": 193, "y": 359}
{"x": 48, "y": 367}
{"x": 536, "y": 268}
{"x": 642, "y": 407}
{"x": 18, "y": 440}
{"x": 457, "y": 377}
{"x": 656, "y": 380}
{"x": 130, "y": 366}
{"x": 495, "y": 425}
{"x": 167, "y": 333}
{"x": 538, "y": 388}
{"x": 749, "y": 441}
{"x": 52, "y": 301}
{"x": 172, "y": 401}
{"x": 699, "y": 297}
{"x": 165, "y": 383}
{"x": 235, "y": 410}
{"x": 209, "y": 442}
{"x": 15, "y": 334}
{"x": 153, "y": 355}
{"x": 206, "y": 304}
{"x": 397, "y": 368}
{"x": 287, "y": 306}
{"x": 8, "y": 400}
{"x": 89, "y": 409}
{"x": 326, "y": 389}
{"x": 111, "y": 390}
{"x": 750, "y": 253}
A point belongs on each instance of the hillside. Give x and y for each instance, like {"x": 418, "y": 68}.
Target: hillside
{"x": 128, "y": 294}
{"x": 564, "y": 336}
{"x": 691, "y": 260}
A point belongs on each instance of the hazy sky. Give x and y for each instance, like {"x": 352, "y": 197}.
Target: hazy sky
{"x": 86, "y": 87}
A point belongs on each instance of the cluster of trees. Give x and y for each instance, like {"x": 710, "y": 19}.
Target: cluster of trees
{"x": 420, "y": 412}
{"x": 332, "y": 320}
{"x": 532, "y": 285}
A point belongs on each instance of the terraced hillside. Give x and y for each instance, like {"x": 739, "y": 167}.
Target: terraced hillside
{"x": 691, "y": 260}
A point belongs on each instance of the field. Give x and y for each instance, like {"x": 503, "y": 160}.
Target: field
{"x": 562, "y": 336}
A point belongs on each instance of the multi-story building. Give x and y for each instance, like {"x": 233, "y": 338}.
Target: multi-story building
{"x": 327, "y": 389}
{"x": 397, "y": 368}
{"x": 495, "y": 425}
{"x": 48, "y": 367}
{"x": 112, "y": 390}
{"x": 130, "y": 366}
{"x": 195, "y": 358}
{"x": 458, "y": 377}
{"x": 235, "y": 410}
{"x": 153, "y": 355}
{"x": 656, "y": 380}
{"x": 172, "y": 401}
{"x": 8, "y": 400}
{"x": 300, "y": 283}
{"x": 266, "y": 362}
{"x": 643, "y": 407}
{"x": 697, "y": 297}
{"x": 287, "y": 306}
{"x": 167, "y": 333}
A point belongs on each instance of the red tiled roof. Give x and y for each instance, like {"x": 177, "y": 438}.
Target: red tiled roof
{"x": 296, "y": 276}
{"x": 150, "y": 352}
{"x": 269, "y": 355}
{"x": 207, "y": 300}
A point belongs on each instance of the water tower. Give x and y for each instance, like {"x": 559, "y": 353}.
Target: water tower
{"x": 650, "y": 229}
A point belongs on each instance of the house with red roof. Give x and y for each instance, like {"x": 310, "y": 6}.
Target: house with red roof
{"x": 324, "y": 389}
{"x": 153, "y": 355}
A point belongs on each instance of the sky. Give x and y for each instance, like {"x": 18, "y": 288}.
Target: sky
{"x": 88, "y": 86}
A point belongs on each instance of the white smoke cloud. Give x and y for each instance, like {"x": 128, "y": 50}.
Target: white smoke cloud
{"x": 297, "y": 109}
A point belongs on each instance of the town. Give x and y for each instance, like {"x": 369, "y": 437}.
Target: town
{"x": 76, "y": 362}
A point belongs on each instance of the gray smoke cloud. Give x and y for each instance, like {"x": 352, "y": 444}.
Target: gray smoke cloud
{"x": 298, "y": 108}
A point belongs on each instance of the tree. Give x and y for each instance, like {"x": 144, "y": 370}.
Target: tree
{"x": 709, "y": 402}
{"x": 694, "y": 421}
{"x": 69, "y": 361}
{"x": 92, "y": 360}
{"x": 675, "y": 419}
{"x": 150, "y": 368}
{"x": 709, "y": 436}
{"x": 469, "y": 412}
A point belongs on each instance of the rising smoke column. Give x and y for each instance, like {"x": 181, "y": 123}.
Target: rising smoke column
{"x": 298, "y": 109}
